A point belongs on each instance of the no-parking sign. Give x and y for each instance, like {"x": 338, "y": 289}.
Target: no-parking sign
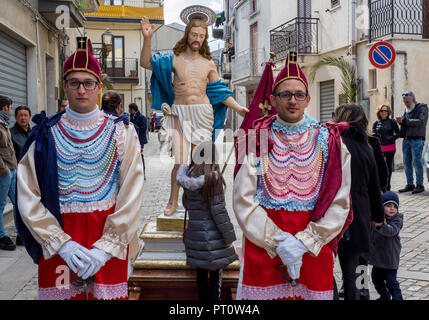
{"x": 382, "y": 55}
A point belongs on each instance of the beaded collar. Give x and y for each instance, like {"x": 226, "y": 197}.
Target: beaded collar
{"x": 292, "y": 173}
{"x": 88, "y": 164}
{"x": 301, "y": 127}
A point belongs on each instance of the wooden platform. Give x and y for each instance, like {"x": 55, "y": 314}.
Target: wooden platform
{"x": 161, "y": 273}
{"x": 178, "y": 284}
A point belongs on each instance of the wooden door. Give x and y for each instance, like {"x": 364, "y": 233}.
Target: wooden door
{"x": 115, "y": 62}
{"x": 118, "y": 56}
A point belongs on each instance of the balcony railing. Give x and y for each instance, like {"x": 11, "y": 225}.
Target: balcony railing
{"x": 247, "y": 64}
{"x": 123, "y": 70}
{"x": 398, "y": 17}
{"x": 299, "y": 34}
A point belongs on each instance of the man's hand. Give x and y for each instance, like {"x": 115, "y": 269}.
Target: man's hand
{"x": 98, "y": 260}
{"x": 147, "y": 30}
{"x": 77, "y": 257}
{"x": 399, "y": 120}
{"x": 291, "y": 250}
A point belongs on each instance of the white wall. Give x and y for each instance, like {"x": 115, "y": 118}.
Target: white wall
{"x": 242, "y": 37}
{"x": 165, "y": 38}
{"x": 334, "y": 25}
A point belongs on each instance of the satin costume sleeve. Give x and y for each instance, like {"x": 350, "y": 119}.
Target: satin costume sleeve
{"x": 120, "y": 227}
{"x": 43, "y": 226}
{"x": 252, "y": 218}
{"x": 260, "y": 229}
{"x": 321, "y": 232}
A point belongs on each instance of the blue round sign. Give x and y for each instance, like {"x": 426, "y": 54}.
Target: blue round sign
{"x": 382, "y": 55}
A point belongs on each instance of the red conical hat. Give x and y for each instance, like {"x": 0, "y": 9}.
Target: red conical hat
{"x": 292, "y": 70}
{"x": 83, "y": 60}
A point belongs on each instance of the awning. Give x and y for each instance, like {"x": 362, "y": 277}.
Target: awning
{"x": 128, "y": 12}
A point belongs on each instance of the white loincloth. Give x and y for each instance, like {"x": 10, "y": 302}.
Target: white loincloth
{"x": 195, "y": 121}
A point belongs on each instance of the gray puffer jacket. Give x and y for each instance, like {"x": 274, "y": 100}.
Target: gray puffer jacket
{"x": 209, "y": 227}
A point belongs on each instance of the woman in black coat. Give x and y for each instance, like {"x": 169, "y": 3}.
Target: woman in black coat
{"x": 365, "y": 194}
{"x": 383, "y": 170}
{"x": 387, "y": 130}
{"x": 210, "y": 233}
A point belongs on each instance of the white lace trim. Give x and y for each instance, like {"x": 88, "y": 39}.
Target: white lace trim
{"x": 119, "y": 136}
{"x": 88, "y": 207}
{"x": 282, "y": 291}
{"x": 99, "y": 291}
{"x": 83, "y": 125}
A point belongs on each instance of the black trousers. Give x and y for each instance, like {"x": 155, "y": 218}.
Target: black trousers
{"x": 389, "y": 156}
{"x": 349, "y": 261}
{"x": 209, "y": 284}
{"x": 386, "y": 284}
{"x": 336, "y": 295}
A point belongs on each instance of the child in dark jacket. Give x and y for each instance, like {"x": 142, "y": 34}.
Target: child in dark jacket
{"x": 385, "y": 249}
{"x": 210, "y": 233}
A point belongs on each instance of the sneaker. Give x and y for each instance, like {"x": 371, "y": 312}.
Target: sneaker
{"x": 7, "y": 244}
{"x": 419, "y": 188}
{"x": 408, "y": 187}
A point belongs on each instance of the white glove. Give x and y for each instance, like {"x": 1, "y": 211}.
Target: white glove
{"x": 291, "y": 250}
{"x": 77, "y": 257}
{"x": 98, "y": 259}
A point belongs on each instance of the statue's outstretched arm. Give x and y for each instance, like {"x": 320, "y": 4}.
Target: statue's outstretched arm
{"x": 146, "y": 53}
{"x": 230, "y": 101}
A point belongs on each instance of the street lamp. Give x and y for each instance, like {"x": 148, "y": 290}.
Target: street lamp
{"x": 107, "y": 38}
{"x": 106, "y": 44}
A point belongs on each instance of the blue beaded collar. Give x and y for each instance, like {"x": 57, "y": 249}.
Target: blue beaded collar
{"x": 293, "y": 129}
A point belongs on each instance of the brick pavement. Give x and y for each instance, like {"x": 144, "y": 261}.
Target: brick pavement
{"x": 18, "y": 275}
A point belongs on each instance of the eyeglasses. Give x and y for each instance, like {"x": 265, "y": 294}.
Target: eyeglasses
{"x": 287, "y": 96}
{"x": 384, "y": 111}
{"x": 87, "y": 84}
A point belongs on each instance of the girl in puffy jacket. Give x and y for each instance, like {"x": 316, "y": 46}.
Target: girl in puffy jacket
{"x": 210, "y": 233}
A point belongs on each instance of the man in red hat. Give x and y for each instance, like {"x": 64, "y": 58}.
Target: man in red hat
{"x": 291, "y": 197}
{"x": 79, "y": 186}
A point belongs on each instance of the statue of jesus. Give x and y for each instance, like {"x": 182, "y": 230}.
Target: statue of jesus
{"x": 196, "y": 88}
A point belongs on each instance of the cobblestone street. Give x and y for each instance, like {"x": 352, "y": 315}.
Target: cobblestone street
{"x": 18, "y": 274}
